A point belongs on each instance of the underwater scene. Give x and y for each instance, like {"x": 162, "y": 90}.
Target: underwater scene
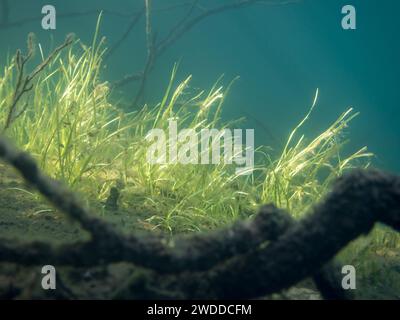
{"x": 199, "y": 149}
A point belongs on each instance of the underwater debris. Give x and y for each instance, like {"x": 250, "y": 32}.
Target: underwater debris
{"x": 358, "y": 200}
{"x": 112, "y": 200}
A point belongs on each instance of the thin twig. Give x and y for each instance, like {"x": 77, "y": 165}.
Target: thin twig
{"x": 151, "y": 53}
{"x": 135, "y": 19}
{"x": 179, "y": 30}
{"x": 24, "y": 83}
{"x": 188, "y": 25}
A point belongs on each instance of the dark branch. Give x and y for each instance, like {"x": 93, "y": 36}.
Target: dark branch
{"x": 178, "y": 31}
{"x": 197, "y": 252}
{"x": 250, "y": 259}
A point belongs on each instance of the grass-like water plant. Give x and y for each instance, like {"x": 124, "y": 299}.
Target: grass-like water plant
{"x": 70, "y": 124}
{"x": 304, "y": 171}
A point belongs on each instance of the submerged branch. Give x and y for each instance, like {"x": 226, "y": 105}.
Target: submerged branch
{"x": 151, "y": 53}
{"x": 186, "y": 25}
{"x": 24, "y": 82}
{"x": 198, "y": 252}
{"x": 156, "y": 49}
{"x": 253, "y": 258}
{"x": 134, "y": 21}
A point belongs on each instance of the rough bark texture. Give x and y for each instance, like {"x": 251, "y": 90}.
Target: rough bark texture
{"x": 250, "y": 259}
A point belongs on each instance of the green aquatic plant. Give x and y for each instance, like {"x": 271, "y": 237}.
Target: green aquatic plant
{"x": 68, "y": 124}
{"x": 304, "y": 171}
{"x": 78, "y": 135}
{"x": 181, "y": 197}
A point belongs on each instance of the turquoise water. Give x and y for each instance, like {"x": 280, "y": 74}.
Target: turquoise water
{"x": 282, "y": 53}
